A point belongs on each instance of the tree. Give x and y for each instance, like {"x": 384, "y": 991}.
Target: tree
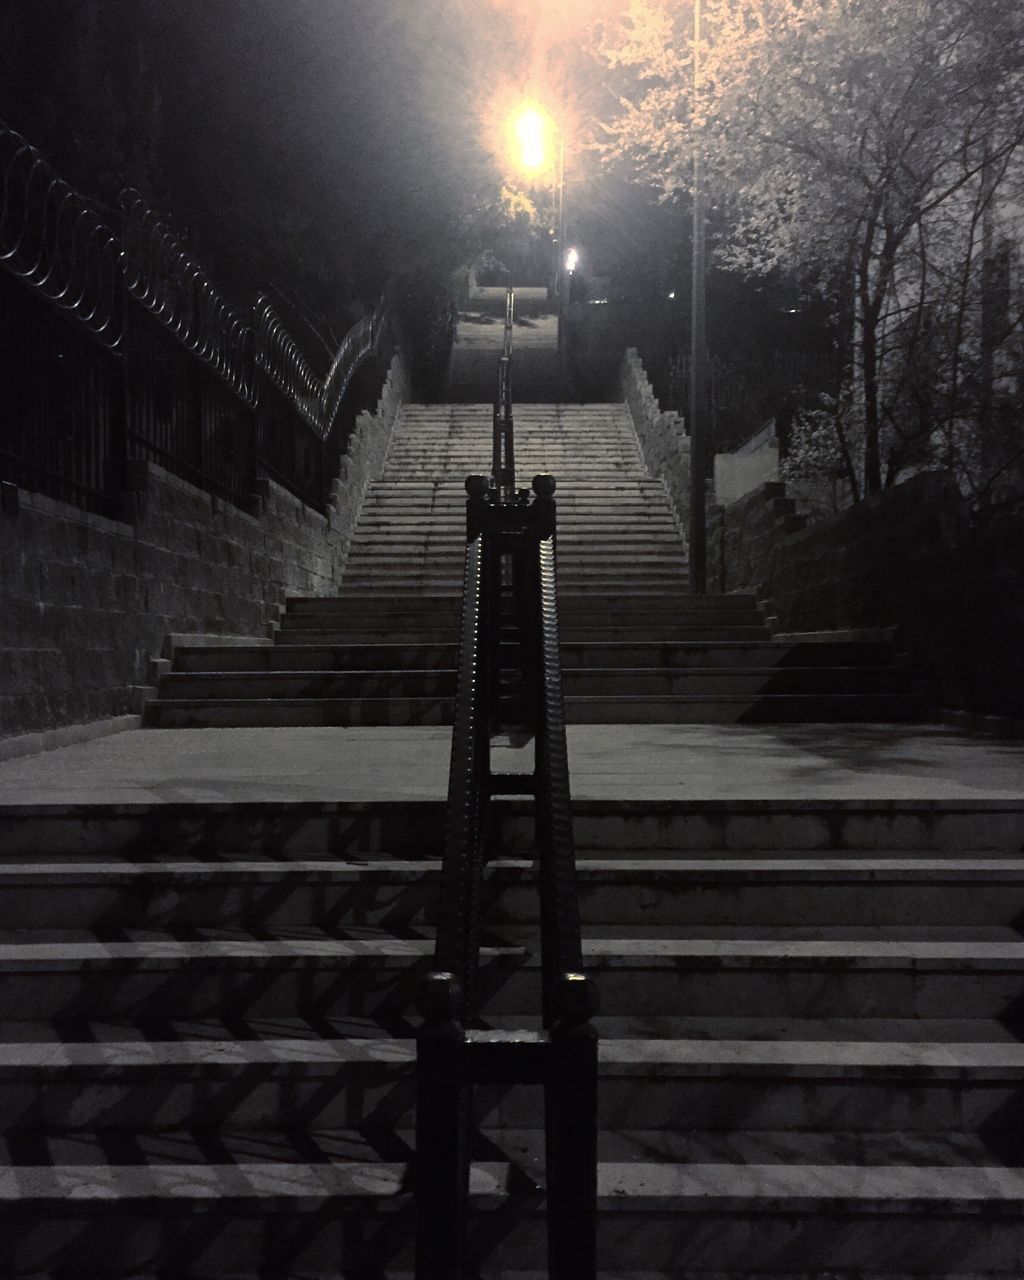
{"x": 844, "y": 141}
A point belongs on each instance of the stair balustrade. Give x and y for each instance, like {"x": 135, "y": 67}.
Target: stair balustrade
{"x": 503, "y": 463}
{"x": 509, "y": 681}
{"x": 120, "y": 348}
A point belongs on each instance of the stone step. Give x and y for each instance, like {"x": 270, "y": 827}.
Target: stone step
{"x": 639, "y": 684}
{"x": 676, "y": 608}
{"x": 369, "y": 634}
{"x": 739, "y": 682}
{"x": 575, "y": 580}
{"x": 373, "y": 973}
{"x": 569, "y": 603}
{"x": 668, "y": 892}
{"x": 703, "y": 1089}
{"x": 445, "y": 559}
{"x": 625, "y": 828}
{"x": 280, "y": 1214}
{"x": 299, "y": 712}
{"x": 430, "y": 541}
{"x": 613, "y": 491}
{"x": 362, "y": 685}
{"x": 765, "y": 708}
{"x": 302, "y": 632}
{"x": 474, "y": 455}
{"x": 765, "y": 655}
{"x": 403, "y": 526}
{"x": 334, "y": 658}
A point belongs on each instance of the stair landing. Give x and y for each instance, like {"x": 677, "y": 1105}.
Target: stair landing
{"x": 667, "y": 762}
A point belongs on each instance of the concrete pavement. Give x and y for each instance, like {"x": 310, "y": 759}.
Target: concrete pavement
{"x": 608, "y": 762}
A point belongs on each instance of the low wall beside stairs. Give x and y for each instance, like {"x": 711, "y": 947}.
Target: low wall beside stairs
{"x": 89, "y": 601}
{"x": 663, "y": 440}
{"x": 913, "y": 558}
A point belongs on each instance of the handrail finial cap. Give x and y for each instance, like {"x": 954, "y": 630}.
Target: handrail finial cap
{"x": 575, "y": 999}
{"x": 439, "y": 997}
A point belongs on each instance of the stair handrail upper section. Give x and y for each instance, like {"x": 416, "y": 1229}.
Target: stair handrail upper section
{"x": 54, "y": 240}
{"x": 317, "y": 400}
{"x": 509, "y": 626}
{"x": 165, "y": 279}
{"x": 503, "y": 462}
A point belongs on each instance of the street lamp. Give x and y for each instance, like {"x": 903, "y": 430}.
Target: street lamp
{"x": 698, "y": 351}
{"x": 531, "y": 132}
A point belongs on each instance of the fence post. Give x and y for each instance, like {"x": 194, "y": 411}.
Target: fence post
{"x": 442, "y": 1131}
{"x": 570, "y": 1107}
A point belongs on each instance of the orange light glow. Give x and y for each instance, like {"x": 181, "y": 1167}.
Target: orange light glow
{"x": 530, "y": 135}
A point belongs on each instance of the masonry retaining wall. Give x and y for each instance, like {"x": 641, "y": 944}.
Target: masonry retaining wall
{"x": 911, "y": 557}
{"x": 88, "y": 601}
{"x": 663, "y": 440}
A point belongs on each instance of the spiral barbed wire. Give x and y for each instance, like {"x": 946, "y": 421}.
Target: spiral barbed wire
{"x": 318, "y": 401}
{"x": 163, "y": 277}
{"x": 52, "y": 239}
{"x": 280, "y": 359}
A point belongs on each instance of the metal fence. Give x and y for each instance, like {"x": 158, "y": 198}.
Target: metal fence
{"x": 117, "y": 345}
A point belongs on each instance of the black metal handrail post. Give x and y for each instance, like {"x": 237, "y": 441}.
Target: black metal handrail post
{"x": 509, "y": 677}
{"x": 446, "y": 997}
{"x": 503, "y": 463}
{"x": 570, "y": 998}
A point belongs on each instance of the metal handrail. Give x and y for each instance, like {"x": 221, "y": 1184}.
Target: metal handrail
{"x": 51, "y": 238}
{"x": 189, "y": 379}
{"x": 503, "y": 459}
{"x": 280, "y": 359}
{"x": 509, "y": 594}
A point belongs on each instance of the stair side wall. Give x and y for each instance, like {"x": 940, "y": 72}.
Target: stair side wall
{"x": 910, "y": 557}
{"x": 88, "y": 601}
{"x": 663, "y": 441}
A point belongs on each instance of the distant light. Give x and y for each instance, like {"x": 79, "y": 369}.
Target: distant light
{"x": 790, "y": 311}
{"x": 530, "y": 134}
{"x": 672, "y": 294}
{"x": 572, "y": 259}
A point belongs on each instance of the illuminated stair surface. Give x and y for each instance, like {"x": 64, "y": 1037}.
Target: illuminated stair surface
{"x": 638, "y": 647}
{"x": 811, "y": 1055}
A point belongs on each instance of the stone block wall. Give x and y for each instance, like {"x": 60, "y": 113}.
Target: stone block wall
{"x": 737, "y": 474}
{"x": 663, "y": 439}
{"x": 88, "y": 601}
{"x": 911, "y": 557}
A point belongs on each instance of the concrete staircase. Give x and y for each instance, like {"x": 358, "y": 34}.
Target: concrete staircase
{"x": 811, "y": 1061}
{"x": 637, "y": 646}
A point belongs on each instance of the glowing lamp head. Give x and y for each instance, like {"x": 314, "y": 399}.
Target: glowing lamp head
{"x": 572, "y": 259}
{"x": 530, "y": 133}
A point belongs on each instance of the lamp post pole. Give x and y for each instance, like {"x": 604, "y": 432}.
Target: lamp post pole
{"x": 561, "y": 219}
{"x": 698, "y": 352}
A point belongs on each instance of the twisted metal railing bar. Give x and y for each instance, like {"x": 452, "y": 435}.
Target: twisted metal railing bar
{"x": 136, "y": 353}
{"x": 280, "y": 359}
{"x": 509, "y": 680}
{"x": 503, "y": 461}
{"x": 163, "y": 277}
{"x": 363, "y": 340}
{"x": 53, "y": 240}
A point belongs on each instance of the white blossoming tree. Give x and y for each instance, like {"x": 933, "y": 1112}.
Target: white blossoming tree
{"x": 874, "y": 147}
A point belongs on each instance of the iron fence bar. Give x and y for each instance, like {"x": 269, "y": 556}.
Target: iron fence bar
{"x": 163, "y": 277}
{"x": 53, "y": 240}
{"x": 467, "y": 814}
{"x": 55, "y": 243}
{"x": 503, "y": 465}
